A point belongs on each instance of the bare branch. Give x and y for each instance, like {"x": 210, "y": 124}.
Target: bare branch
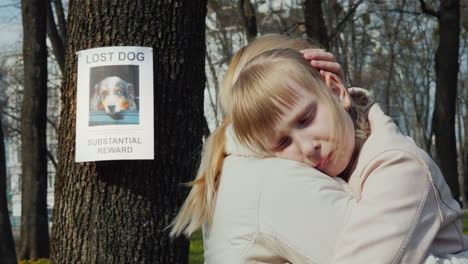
{"x": 400, "y": 11}
{"x": 53, "y": 124}
{"x": 427, "y": 10}
{"x": 345, "y": 19}
{"x": 52, "y": 159}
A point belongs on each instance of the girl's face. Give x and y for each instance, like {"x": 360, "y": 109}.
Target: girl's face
{"x": 303, "y": 133}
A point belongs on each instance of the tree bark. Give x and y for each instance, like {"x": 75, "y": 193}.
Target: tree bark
{"x": 446, "y": 60}
{"x": 314, "y": 22}
{"x": 118, "y": 211}
{"x": 34, "y": 242}
{"x": 247, "y": 13}
{"x": 7, "y": 247}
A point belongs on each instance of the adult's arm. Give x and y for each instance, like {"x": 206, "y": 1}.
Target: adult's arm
{"x": 301, "y": 213}
{"x": 397, "y": 216}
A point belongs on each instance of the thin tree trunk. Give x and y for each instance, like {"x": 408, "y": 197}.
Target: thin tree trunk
{"x": 34, "y": 242}
{"x": 446, "y": 90}
{"x": 118, "y": 211}
{"x": 461, "y": 143}
{"x": 7, "y": 247}
{"x": 247, "y": 13}
{"x": 55, "y": 38}
{"x": 62, "y": 27}
{"x": 314, "y": 22}
{"x": 465, "y": 166}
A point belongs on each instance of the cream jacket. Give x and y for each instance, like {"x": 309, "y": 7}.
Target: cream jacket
{"x": 405, "y": 208}
{"x": 276, "y": 211}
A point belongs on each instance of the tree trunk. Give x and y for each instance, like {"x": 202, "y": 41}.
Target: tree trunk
{"x": 465, "y": 167}
{"x": 314, "y": 22}
{"x": 55, "y": 38}
{"x": 61, "y": 23}
{"x": 247, "y": 13}
{"x": 7, "y": 247}
{"x": 34, "y": 225}
{"x": 446, "y": 61}
{"x": 118, "y": 211}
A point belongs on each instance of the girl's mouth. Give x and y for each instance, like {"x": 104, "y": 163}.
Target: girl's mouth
{"x": 323, "y": 162}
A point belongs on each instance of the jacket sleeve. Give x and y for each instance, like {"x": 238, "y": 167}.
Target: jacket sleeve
{"x": 397, "y": 217}
{"x": 303, "y": 210}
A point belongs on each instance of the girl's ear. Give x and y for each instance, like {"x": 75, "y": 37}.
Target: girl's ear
{"x": 338, "y": 88}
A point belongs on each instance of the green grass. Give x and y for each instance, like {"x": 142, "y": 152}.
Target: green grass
{"x": 196, "y": 248}
{"x": 465, "y": 224}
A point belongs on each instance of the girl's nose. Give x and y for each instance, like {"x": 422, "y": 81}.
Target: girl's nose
{"x": 309, "y": 147}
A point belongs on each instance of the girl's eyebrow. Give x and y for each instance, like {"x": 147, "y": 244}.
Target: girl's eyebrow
{"x": 300, "y": 114}
{"x": 291, "y": 122}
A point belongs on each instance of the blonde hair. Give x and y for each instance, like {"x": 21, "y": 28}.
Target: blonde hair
{"x": 263, "y": 91}
{"x": 199, "y": 206}
{"x": 245, "y": 54}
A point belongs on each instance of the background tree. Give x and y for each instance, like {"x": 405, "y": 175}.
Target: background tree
{"x": 446, "y": 67}
{"x": 56, "y": 31}
{"x": 34, "y": 222}
{"x": 247, "y": 14}
{"x": 314, "y": 22}
{"x": 462, "y": 107}
{"x": 7, "y": 247}
{"x": 118, "y": 211}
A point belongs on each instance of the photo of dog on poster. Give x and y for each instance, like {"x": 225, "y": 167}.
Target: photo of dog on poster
{"x": 114, "y": 95}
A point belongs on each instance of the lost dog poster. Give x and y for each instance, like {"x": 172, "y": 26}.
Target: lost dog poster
{"x": 114, "y": 119}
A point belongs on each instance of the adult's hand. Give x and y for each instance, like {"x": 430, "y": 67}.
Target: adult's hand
{"x": 325, "y": 61}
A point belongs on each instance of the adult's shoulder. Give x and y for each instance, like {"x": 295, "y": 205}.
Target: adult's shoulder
{"x": 304, "y": 209}
{"x": 386, "y": 136}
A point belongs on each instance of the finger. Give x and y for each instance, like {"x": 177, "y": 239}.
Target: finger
{"x": 328, "y": 66}
{"x": 318, "y": 54}
{"x": 312, "y": 50}
{"x": 323, "y": 75}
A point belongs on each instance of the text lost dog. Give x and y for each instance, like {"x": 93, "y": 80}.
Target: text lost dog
{"x": 115, "y": 56}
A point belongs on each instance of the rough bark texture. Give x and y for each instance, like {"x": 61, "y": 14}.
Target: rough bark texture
{"x": 446, "y": 72}
{"x": 118, "y": 211}
{"x": 34, "y": 225}
{"x": 7, "y": 246}
{"x": 314, "y": 22}
{"x": 247, "y": 13}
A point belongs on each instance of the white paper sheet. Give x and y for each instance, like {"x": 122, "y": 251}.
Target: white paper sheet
{"x": 114, "y": 119}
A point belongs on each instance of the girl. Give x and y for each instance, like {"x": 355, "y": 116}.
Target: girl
{"x": 282, "y": 108}
{"x": 256, "y": 210}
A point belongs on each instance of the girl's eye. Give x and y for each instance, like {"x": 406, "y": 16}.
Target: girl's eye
{"x": 284, "y": 142}
{"x": 306, "y": 118}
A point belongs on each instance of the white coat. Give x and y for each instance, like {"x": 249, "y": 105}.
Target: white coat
{"x": 276, "y": 211}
